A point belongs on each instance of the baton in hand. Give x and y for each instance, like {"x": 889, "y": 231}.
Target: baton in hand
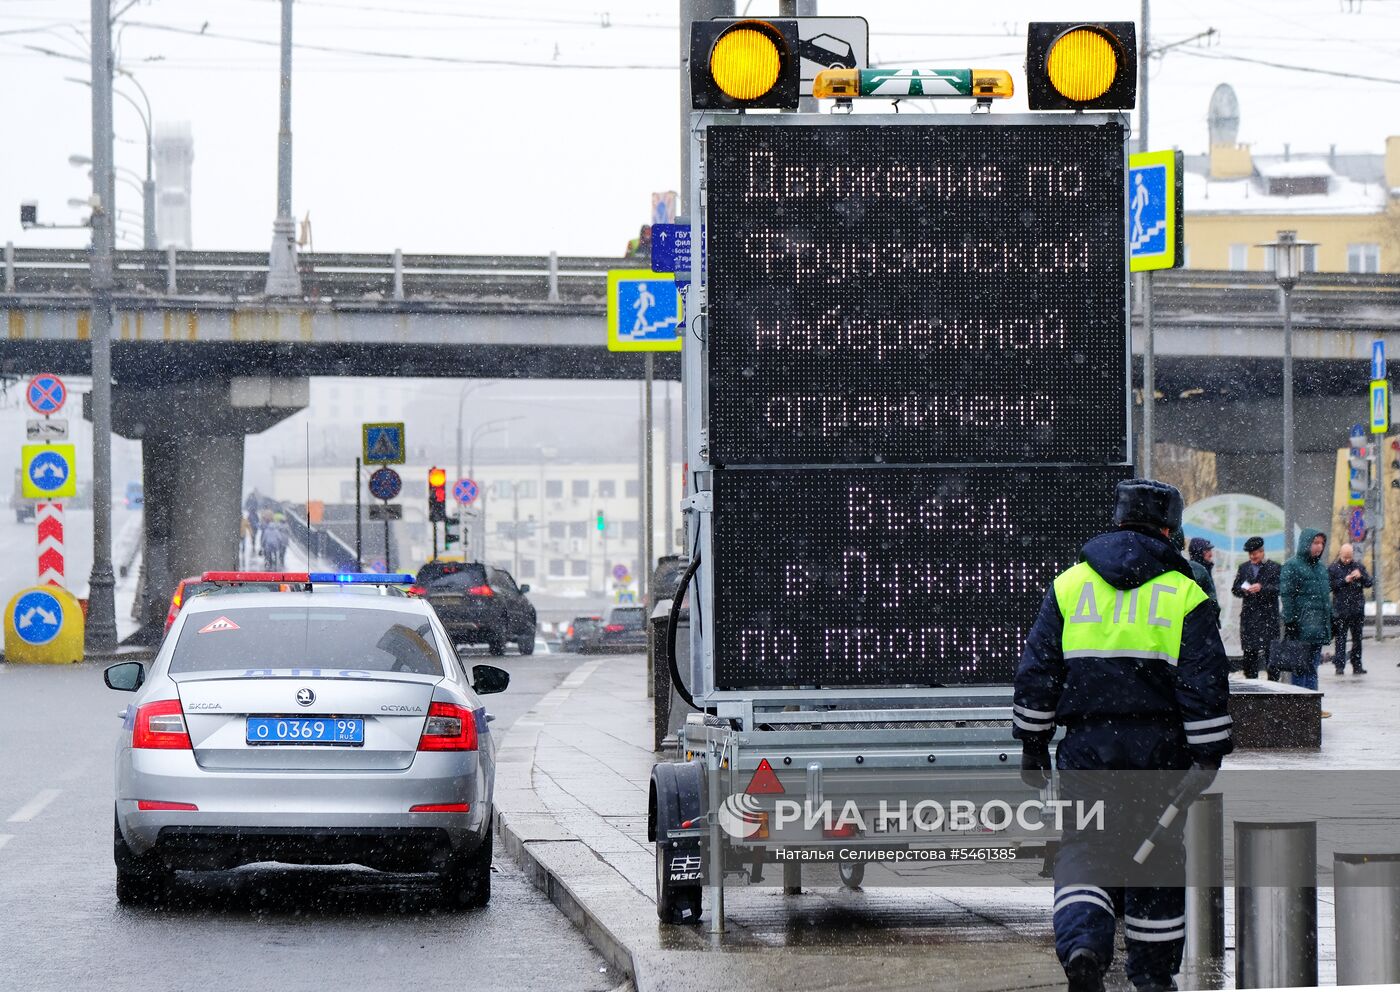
{"x": 1197, "y": 781}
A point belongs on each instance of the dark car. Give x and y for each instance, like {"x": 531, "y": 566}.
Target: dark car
{"x": 579, "y": 632}
{"x": 624, "y": 630}
{"x": 666, "y": 579}
{"x": 478, "y": 604}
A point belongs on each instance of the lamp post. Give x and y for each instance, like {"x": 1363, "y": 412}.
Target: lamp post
{"x": 147, "y": 185}
{"x": 489, "y": 427}
{"x": 1287, "y": 253}
{"x": 467, "y": 390}
{"x": 283, "y": 279}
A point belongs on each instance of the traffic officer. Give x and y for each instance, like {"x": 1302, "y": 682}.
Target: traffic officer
{"x": 1126, "y": 656}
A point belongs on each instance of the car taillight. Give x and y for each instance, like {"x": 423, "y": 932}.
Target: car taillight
{"x": 614, "y": 628}
{"x": 570, "y": 631}
{"x": 449, "y": 728}
{"x": 416, "y": 590}
{"x": 481, "y": 591}
{"x": 155, "y": 805}
{"x": 161, "y": 725}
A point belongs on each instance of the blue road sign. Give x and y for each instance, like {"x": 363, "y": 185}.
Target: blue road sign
{"x": 383, "y": 443}
{"x": 1356, "y": 526}
{"x": 38, "y": 617}
{"x": 1147, "y": 204}
{"x": 644, "y": 311}
{"x": 46, "y": 393}
{"x": 385, "y": 483}
{"x": 465, "y": 491}
{"x": 670, "y": 248}
{"x": 1380, "y": 406}
{"x": 1378, "y": 360}
{"x": 48, "y": 471}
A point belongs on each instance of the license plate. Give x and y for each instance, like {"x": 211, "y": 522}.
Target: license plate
{"x": 345, "y": 731}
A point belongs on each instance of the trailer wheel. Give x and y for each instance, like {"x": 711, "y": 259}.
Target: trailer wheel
{"x": 674, "y": 903}
{"x": 852, "y": 873}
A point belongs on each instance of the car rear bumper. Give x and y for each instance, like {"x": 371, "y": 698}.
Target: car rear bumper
{"x": 212, "y": 848}
{"x": 305, "y": 803}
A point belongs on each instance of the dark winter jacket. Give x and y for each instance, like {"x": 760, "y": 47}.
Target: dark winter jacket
{"x": 1306, "y": 593}
{"x": 1200, "y": 568}
{"x": 1258, "y": 610}
{"x": 1192, "y": 692}
{"x": 1348, "y": 600}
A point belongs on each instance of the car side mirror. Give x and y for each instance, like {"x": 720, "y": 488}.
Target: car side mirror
{"x": 487, "y": 679}
{"x": 525, "y": 588}
{"x": 125, "y": 677}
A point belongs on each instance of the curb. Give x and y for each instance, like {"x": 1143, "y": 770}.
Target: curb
{"x": 548, "y": 881}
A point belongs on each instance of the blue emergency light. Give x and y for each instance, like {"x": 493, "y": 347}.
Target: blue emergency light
{"x": 362, "y": 578}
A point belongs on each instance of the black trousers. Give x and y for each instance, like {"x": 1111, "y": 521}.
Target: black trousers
{"x": 1344, "y": 626}
{"x": 1256, "y": 657}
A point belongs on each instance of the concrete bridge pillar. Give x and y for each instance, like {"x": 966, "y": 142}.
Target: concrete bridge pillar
{"x": 191, "y": 436}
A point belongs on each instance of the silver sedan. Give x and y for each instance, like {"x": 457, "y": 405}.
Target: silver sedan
{"x": 305, "y": 728}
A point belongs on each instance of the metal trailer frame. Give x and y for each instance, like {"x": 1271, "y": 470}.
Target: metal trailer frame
{"x": 905, "y": 728}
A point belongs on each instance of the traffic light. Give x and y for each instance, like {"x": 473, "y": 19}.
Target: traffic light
{"x": 1395, "y": 463}
{"x": 437, "y": 494}
{"x": 1073, "y": 66}
{"x": 450, "y": 533}
{"x": 602, "y": 524}
{"x": 742, "y": 65}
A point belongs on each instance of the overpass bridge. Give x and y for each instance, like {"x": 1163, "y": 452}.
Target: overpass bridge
{"x": 201, "y": 357}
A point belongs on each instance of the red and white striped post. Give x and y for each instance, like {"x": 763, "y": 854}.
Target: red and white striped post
{"x": 49, "y": 520}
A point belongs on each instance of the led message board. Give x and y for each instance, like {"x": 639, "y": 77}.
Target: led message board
{"x": 892, "y": 576}
{"x": 916, "y": 293}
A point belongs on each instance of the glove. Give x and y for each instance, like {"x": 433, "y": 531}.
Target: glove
{"x": 1290, "y": 632}
{"x": 1035, "y": 764}
{"x": 1198, "y": 780}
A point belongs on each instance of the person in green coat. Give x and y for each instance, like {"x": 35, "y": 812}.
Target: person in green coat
{"x": 1305, "y": 592}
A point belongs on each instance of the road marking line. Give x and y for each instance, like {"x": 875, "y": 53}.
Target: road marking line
{"x": 34, "y": 807}
{"x": 5, "y": 839}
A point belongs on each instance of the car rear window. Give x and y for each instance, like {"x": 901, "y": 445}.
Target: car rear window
{"x": 303, "y": 637}
{"x": 629, "y": 616}
{"x": 451, "y": 576}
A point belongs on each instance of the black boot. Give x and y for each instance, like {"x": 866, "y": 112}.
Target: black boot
{"x": 1084, "y": 972}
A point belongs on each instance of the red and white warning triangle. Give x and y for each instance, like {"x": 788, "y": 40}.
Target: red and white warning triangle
{"x": 223, "y": 623}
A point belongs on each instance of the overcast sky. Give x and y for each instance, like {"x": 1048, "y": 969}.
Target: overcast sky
{"x": 408, "y": 133}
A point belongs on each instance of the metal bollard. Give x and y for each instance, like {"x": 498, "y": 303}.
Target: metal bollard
{"x": 398, "y": 273}
{"x": 1275, "y": 905}
{"x": 170, "y": 284}
{"x": 1205, "y": 887}
{"x": 1367, "y": 918}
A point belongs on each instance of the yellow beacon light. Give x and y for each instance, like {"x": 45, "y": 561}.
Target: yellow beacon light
{"x": 1081, "y": 65}
{"x": 1075, "y": 66}
{"x": 745, "y": 63}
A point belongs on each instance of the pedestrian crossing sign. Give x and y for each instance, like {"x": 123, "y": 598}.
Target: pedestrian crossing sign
{"x": 644, "y": 311}
{"x": 383, "y": 444}
{"x": 1156, "y": 229}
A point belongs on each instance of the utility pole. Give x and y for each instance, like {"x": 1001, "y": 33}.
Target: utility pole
{"x": 1149, "y": 343}
{"x": 283, "y": 279}
{"x": 101, "y": 634}
{"x": 668, "y": 535}
{"x": 648, "y": 517}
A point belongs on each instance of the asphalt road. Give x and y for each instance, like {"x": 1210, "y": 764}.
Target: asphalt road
{"x": 276, "y": 928}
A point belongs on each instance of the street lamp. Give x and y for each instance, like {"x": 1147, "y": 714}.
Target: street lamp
{"x": 1287, "y": 254}
{"x": 489, "y": 427}
{"x": 148, "y": 185}
{"x": 467, "y": 390}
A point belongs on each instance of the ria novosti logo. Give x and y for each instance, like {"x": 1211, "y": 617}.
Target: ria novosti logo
{"x": 742, "y": 816}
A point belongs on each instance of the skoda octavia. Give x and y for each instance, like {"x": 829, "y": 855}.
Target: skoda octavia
{"x": 305, "y": 727}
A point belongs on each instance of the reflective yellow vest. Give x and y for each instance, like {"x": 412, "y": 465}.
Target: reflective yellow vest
{"x": 1143, "y": 623}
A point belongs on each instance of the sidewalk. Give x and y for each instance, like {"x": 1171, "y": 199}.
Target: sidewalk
{"x": 571, "y": 796}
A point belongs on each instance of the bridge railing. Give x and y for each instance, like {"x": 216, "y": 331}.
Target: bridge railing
{"x": 543, "y": 280}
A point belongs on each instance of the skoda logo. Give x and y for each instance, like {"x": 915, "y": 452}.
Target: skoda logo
{"x": 305, "y": 697}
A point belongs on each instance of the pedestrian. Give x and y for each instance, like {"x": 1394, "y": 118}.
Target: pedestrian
{"x": 1256, "y": 586}
{"x": 1126, "y": 655}
{"x": 1202, "y": 555}
{"x": 1348, "y": 578}
{"x": 1305, "y": 592}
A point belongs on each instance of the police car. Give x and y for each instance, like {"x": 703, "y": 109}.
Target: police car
{"x": 305, "y": 727}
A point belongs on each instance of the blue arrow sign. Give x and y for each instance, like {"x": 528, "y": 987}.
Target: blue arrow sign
{"x": 465, "y": 491}
{"x": 1378, "y": 360}
{"x": 38, "y": 617}
{"x": 48, "y": 471}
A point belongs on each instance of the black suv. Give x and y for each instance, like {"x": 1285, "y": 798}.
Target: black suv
{"x": 624, "y": 630}
{"x": 478, "y": 604}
